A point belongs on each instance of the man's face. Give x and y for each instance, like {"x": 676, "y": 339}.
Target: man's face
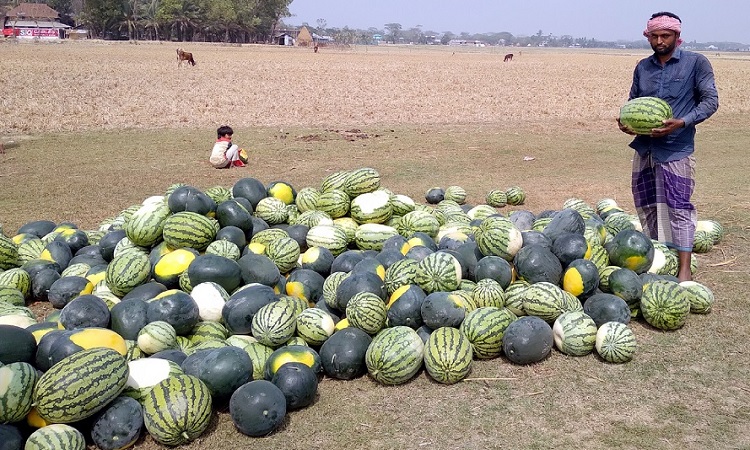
{"x": 663, "y": 42}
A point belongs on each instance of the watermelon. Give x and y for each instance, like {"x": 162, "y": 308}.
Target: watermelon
{"x": 394, "y": 355}
{"x": 367, "y": 312}
{"x": 307, "y": 199}
{"x": 189, "y": 229}
{"x": 57, "y": 436}
{"x": 665, "y": 304}
{"x": 177, "y": 409}
{"x": 439, "y": 271}
{"x": 496, "y": 198}
{"x": 515, "y": 195}
{"x": 574, "y": 333}
{"x": 615, "y": 342}
{"x": 315, "y": 326}
{"x": 488, "y": 292}
{"x": 484, "y": 328}
{"x": 274, "y": 324}
{"x": 700, "y": 296}
{"x": 16, "y": 391}
{"x": 643, "y": 114}
{"x": 631, "y": 249}
{"x": 371, "y": 207}
{"x": 80, "y": 385}
{"x": 498, "y": 236}
{"x": 447, "y": 355}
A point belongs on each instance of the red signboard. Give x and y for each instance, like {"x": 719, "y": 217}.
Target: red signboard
{"x": 31, "y": 32}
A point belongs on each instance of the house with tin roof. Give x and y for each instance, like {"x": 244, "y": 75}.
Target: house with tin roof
{"x": 33, "y": 20}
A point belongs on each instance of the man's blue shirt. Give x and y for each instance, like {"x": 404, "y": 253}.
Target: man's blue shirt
{"x": 686, "y": 82}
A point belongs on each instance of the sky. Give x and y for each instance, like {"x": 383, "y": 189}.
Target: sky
{"x": 702, "y": 21}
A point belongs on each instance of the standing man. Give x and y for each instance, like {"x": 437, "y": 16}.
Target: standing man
{"x": 663, "y": 176}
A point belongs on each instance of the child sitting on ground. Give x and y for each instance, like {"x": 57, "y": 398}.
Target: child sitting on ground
{"x": 225, "y": 154}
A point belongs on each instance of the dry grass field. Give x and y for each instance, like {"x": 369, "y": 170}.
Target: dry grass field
{"x": 104, "y": 125}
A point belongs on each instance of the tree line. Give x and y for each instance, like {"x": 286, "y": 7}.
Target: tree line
{"x": 179, "y": 20}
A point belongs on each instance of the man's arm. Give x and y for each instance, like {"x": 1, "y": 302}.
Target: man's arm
{"x": 708, "y": 101}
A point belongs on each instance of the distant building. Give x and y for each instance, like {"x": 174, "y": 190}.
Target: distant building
{"x": 33, "y": 20}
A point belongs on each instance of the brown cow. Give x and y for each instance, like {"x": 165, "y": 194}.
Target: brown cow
{"x": 184, "y": 56}
{"x": 508, "y": 57}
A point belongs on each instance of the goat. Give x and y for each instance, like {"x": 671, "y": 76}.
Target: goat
{"x": 508, "y": 57}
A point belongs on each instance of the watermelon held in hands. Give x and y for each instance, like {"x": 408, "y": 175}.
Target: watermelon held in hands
{"x": 643, "y": 114}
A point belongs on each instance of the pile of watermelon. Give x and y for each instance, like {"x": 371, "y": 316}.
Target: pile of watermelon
{"x": 246, "y": 297}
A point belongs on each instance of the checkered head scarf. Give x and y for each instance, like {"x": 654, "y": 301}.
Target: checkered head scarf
{"x": 663, "y": 23}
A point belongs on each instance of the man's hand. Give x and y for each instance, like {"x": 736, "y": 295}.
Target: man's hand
{"x": 670, "y": 125}
{"x": 624, "y": 129}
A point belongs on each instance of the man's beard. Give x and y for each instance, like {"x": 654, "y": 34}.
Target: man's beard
{"x": 664, "y": 50}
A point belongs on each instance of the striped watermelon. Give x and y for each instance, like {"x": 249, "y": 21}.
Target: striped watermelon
{"x": 126, "y": 271}
{"x": 80, "y": 385}
{"x": 456, "y": 194}
{"x": 615, "y": 342}
{"x": 484, "y": 328}
{"x": 29, "y": 250}
{"x": 367, "y": 312}
{"x": 700, "y": 296}
{"x": 335, "y": 203}
{"x": 349, "y": 226}
{"x": 712, "y": 227}
{"x": 189, "y": 229}
{"x": 402, "y": 204}
{"x": 498, "y": 236}
{"x": 515, "y": 195}
{"x": 330, "y": 285}
{"x": 545, "y": 300}
{"x": 665, "y": 304}
{"x": 224, "y": 248}
{"x": 371, "y": 207}
{"x": 208, "y": 330}
{"x": 177, "y": 409}
{"x": 265, "y": 237}
{"x": 438, "y": 271}
{"x": 496, "y": 198}
{"x": 394, "y": 355}
{"x": 272, "y": 210}
{"x": 57, "y": 437}
{"x": 12, "y": 296}
{"x": 315, "y": 326}
{"x": 284, "y": 252}
{"x": 157, "y": 336}
{"x": 488, "y": 292}
{"x": 144, "y": 228}
{"x": 401, "y": 273}
{"x": 8, "y": 253}
{"x": 515, "y": 295}
{"x": 17, "y": 278}
{"x": 574, "y": 333}
{"x": 307, "y": 199}
{"x": 418, "y": 221}
{"x": 702, "y": 242}
{"x": 643, "y": 114}
{"x": 447, "y": 355}
{"x": 372, "y": 236}
{"x": 17, "y": 381}
{"x": 259, "y": 354}
{"x": 274, "y": 324}
{"x": 218, "y": 194}
{"x": 336, "y": 180}
{"x": 361, "y": 181}
{"x": 328, "y": 236}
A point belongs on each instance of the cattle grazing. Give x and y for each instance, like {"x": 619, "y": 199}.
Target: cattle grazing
{"x": 184, "y": 56}
{"x": 508, "y": 57}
